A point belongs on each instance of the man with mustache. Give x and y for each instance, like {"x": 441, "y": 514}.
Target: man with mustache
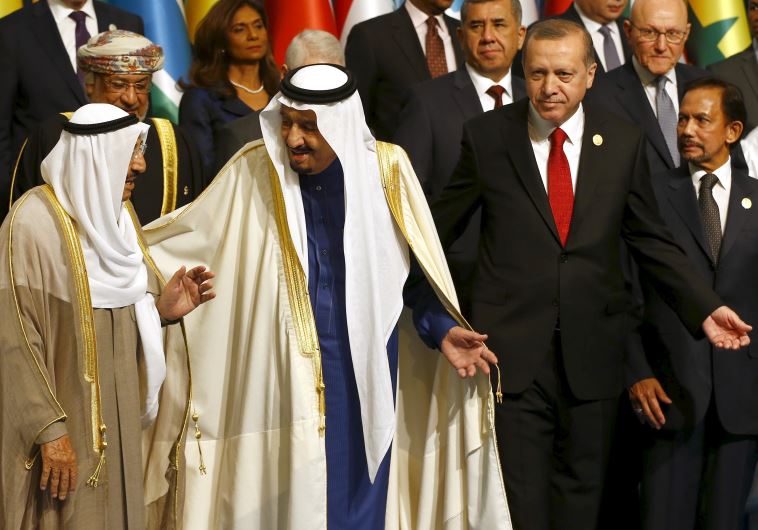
{"x": 561, "y": 184}
{"x": 118, "y": 69}
{"x": 700, "y": 402}
{"x": 647, "y": 89}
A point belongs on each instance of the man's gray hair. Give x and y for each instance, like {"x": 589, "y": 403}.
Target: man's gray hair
{"x": 516, "y": 10}
{"x": 314, "y": 46}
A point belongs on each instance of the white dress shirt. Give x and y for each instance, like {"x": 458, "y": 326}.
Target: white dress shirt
{"x": 67, "y": 25}
{"x": 720, "y": 190}
{"x": 539, "y": 135}
{"x": 650, "y": 84}
{"x": 750, "y": 148}
{"x": 598, "y": 40}
{"x": 418, "y": 18}
{"x": 482, "y": 84}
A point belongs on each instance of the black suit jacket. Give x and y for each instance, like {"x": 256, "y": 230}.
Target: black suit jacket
{"x": 621, "y": 92}
{"x": 386, "y": 57}
{"x": 742, "y": 70}
{"x": 690, "y": 370}
{"x": 572, "y": 14}
{"x": 430, "y": 131}
{"x": 528, "y": 283}
{"x": 37, "y": 79}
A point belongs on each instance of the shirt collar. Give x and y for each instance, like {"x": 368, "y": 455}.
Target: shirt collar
{"x": 593, "y": 26}
{"x": 418, "y": 18}
{"x": 482, "y": 84}
{"x": 724, "y": 174}
{"x": 540, "y": 129}
{"x": 647, "y": 77}
{"x": 60, "y": 11}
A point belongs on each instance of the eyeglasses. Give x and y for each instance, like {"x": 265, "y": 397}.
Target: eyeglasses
{"x": 119, "y": 86}
{"x": 139, "y": 150}
{"x": 673, "y": 36}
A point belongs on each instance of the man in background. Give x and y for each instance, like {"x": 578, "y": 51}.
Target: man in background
{"x": 391, "y": 52}
{"x": 431, "y": 123}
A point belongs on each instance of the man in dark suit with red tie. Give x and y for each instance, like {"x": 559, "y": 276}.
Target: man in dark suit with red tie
{"x": 700, "y": 402}
{"x": 38, "y": 77}
{"x": 389, "y": 53}
{"x": 431, "y": 123}
{"x": 560, "y": 186}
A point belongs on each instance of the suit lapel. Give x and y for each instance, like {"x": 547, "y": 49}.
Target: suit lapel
{"x": 522, "y": 155}
{"x": 737, "y": 214}
{"x": 633, "y": 98}
{"x": 682, "y": 197}
{"x": 465, "y": 94}
{"x": 50, "y": 40}
{"x": 407, "y": 40}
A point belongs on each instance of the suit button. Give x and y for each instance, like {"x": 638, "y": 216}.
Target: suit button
{"x": 564, "y": 257}
{"x": 556, "y": 302}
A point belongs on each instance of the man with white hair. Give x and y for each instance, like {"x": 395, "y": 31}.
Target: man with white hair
{"x": 119, "y": 67}
{"x": 326, "y": 412}
{"x": 310, "y": 46}
{"x": 81, "y": 349}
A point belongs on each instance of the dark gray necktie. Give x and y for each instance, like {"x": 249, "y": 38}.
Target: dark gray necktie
{"x": 709, "y": 211}
{"x": 81, "y": 35}
{"x": 610, "y": 53}
{"x": 667, "y": 117}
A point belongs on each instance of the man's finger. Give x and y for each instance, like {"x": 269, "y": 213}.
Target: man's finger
{"x": 488, "y": 356}
{"x": 655, "y": 408}
{"x": 662, "y": 396}
{"x": 178, "y": 275}
{"x": 55, "y": 477}
{"x": 462, "y": 373}
{"x": 471, "y": 371}
{"x": 63, "y": 489}
{"x": 648, "y": 414}
{"x": 45, "y": 474}
{"x": 74, "y": 478}
{"x": 483, "y": 366}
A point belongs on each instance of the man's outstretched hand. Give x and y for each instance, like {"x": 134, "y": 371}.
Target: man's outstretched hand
{"x": 725, "y": 329}
{"x": 466, "y": 351}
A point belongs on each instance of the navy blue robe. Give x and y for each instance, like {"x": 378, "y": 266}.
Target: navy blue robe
{"x": 353, "y": 502}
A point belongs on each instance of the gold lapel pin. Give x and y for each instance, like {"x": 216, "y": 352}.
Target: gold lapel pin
{"x": 747, "y": 203}
{"x": 597, "y": 140}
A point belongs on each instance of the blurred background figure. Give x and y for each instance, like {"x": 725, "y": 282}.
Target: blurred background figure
{"x": 308, "y": 47}
{"x": 232, "y": 75}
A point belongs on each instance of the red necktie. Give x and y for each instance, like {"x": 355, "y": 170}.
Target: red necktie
{"x": 559, "y": 190}
{"x": 435, "y": 50}
{"x": 496, "y": 92}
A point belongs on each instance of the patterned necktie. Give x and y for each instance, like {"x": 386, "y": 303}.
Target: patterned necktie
{"x": 435, "y": 50}
{"x": 496, "y": 92}
{"x": 610, "y": 53}
{"x": 81, "y": 36}
{"x": 709, "y": 211}
{"x": 560, "y": 193}
{"x": 667, "y": 117}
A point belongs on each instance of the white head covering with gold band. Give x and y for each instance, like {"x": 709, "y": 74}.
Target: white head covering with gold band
{"x": 87, "y": 170}
{"x": 376, "y": 254}
{"x": 120, "y": 52}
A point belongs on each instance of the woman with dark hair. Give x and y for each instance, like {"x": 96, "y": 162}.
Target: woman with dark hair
{"x": 233, "y": 72}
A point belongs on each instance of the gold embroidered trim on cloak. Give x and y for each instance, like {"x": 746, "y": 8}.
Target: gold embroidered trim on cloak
{"x": 62, "y": 415}
{"x": 87, "y": 323}
{"x": 15, "y": 170}
{"x": 167, "y": 141}
{"x": 390, "y": 173}
{"x": 297, "y": 289}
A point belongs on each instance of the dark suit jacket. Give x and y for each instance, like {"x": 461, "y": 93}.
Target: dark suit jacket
{"x": 742, "y": 70}
{"x": 202, "y": 113}
{"x": 36, "y": 76}
{"x": 147, "y": 196}
{"x": 527, "y": 283}
{"x": 621, "y": 92}
{"x": 572, "y": 14}
{"x": 386, "y": 57}
{"x": 233, "y": 135}
{"x": 689, "y": 369}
